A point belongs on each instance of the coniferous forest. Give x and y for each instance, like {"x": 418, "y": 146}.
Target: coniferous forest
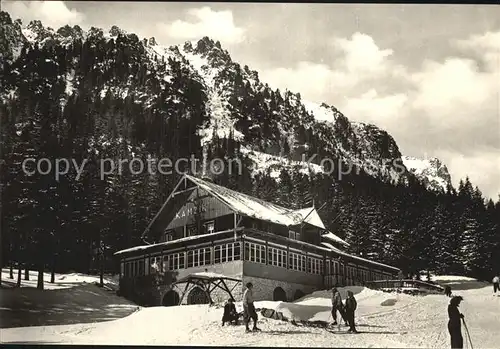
{"x": 86, "y": 97}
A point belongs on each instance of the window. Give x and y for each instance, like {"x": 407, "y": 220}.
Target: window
{"x": 293, "y": 235}
{"x": 315, "y": 265}
{"x": 217, "y": 252}
{"x": 277, "y": 257}
{"x": 196, "y": 259}
{"x": 255, "y": 252}
{"x": 209, "y": 227}
{"x": 227, "y": 253}
{"x": 191, "y": 230}
{"x": 141, "y": 267}
{"x": 297, "y": 262}
{"x": 237, "y": 252}
{"x": 169, "y": 235}
{"x": 165, "y": 264}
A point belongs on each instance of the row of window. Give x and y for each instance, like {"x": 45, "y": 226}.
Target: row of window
{"x": 333, "y": 268}
{"x": 194, "y": 258}
{"x": 191, "y": 230}
{"x": 278, "y": 257}
{"x": 134, "y": 268}
{"x": 254, "y": 252}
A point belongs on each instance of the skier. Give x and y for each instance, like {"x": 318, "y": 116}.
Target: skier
{"x": 454, "y": 324}
{"x": 337, "y": 305}
{"x": 496, "y": 281}
{"x": 230, "y": 314}
{"x": 249, "y": 308}
{"x": 350, "y": 308}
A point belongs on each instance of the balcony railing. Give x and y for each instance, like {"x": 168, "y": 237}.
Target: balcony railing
{"x": 404, "y": 284}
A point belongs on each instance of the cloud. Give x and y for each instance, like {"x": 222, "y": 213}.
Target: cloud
{"x": 380, "y": 110}
{"x": 362, "y": 55}
{"x": 482, "y": 167}
{"x": 448, "y": 108}
{"x": 54, "y": 14}
{"x": 314, "y": 78}
{"x": 218, "y": 25}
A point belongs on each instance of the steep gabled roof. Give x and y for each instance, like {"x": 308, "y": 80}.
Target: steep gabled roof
{"x": 253, "y": 207}
{"x": 250, "y": 206}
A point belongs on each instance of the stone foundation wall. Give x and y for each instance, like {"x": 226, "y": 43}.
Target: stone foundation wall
{"x": 230, "y": 269}
{"x": 263, "y": 289}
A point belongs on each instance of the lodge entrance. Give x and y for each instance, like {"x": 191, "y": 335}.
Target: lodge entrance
{"x": 171, "y": 298}
{"x": 279, "y": 294}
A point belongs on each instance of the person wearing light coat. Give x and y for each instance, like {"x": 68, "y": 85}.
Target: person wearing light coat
{"x": 496, "y": 282}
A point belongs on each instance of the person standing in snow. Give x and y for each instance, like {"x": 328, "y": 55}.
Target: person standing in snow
{"x": 337, "y": 305}
{"x": 447, "y": 291}
{"x": 350, "y": 308}
{"x": 454, "y": 324}
{"x": 249, "y": 308}
{"x": 496, "y": 282}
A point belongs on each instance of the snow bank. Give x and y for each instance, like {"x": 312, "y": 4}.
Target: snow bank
{"x": 456, "y": 278}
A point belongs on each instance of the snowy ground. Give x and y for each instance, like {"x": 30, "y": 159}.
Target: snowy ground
{"x": 62, "y": 281}
{"x": 72, "y": 299}
{"x": 405, "y": 321}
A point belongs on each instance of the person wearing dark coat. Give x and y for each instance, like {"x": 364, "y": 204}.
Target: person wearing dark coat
{"x": 230, "y": 315}
{"x": 447, "y": 291}
{"x": 350, "y": 308}
{"x": 337, "y": 306}
{"x": 454, "y": 323}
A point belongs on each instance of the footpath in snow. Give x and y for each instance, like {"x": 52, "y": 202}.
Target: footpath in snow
{"x": 403, "y": 321}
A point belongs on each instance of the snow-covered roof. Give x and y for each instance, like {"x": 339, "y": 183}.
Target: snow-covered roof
{"x": 253, "y": 207}
{"x": 166, "y": 243}
{"x": 336, "y": 250}
{"x": 335, "y": 238}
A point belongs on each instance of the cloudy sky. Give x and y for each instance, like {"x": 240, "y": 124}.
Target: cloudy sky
{"x": 428, "y": 74}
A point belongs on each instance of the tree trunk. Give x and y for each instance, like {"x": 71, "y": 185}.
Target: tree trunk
{"x": 101, "y": 276}
{"x": 52, "y": 275}
{"x": 39, "y": 284}
{"x": 26, "y": 273}
{"x": 11, "y": 275}
{"x": 19, "y": 274}
{"x": 53, "y": 269}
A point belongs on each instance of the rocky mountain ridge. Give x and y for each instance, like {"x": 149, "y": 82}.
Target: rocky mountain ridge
{"x": 236, "y": 102}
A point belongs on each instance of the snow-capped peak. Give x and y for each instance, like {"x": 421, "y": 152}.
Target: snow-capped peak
{"x": 432, "y": 172}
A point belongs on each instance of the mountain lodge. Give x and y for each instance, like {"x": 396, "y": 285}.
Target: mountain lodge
{"x": 204, "y": 227}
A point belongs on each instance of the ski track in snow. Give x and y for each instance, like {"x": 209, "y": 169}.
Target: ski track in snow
{"x": 413, "y": 321}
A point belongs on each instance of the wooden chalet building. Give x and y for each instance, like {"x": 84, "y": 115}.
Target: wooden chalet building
{"x": 206, "y": 227}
